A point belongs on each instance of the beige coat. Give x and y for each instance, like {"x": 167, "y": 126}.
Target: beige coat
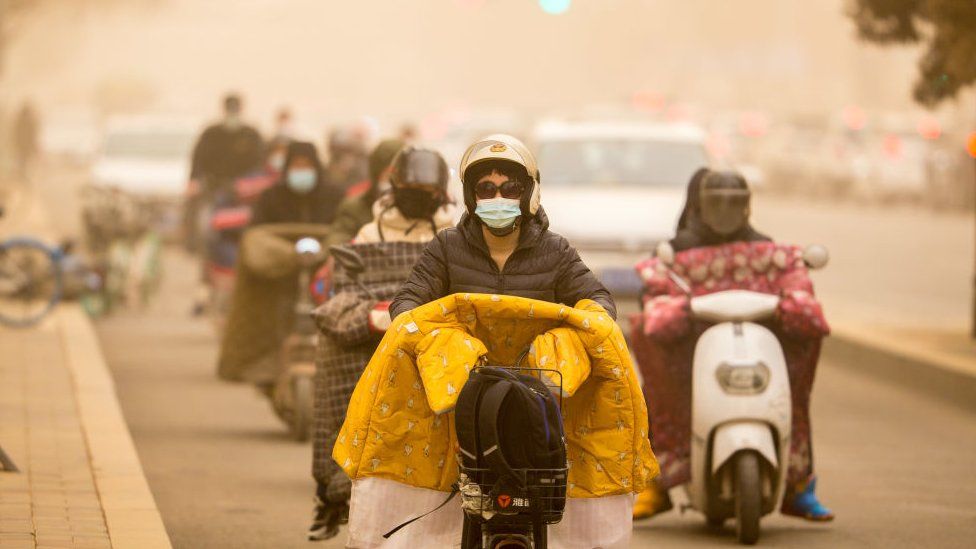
{"x": 389, "y": 225}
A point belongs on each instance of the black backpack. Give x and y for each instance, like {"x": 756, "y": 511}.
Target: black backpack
{"x": 510, "y": 435}
{"x": 511, "y": 441}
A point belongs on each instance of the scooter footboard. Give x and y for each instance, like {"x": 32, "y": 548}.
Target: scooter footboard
{"x": 751, "y": 435}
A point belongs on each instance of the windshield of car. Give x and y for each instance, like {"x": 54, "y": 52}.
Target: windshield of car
{"x": 624, "y": 162}
{"x": 160, "y": 144}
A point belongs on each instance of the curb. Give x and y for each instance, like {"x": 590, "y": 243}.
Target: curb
{"x": 131, "y": 516}
{"x": 927, "y": 373}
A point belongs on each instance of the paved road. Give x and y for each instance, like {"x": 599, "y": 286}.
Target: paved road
{"x": 221, "y": 467}
{"x": 891, "y": 266}
{"x": 896, "y": 467}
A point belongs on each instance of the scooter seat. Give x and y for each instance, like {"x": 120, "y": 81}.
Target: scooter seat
{"x": 734, "y": 306}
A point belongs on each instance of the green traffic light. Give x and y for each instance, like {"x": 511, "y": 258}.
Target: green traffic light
{"x": 555, "y": 7}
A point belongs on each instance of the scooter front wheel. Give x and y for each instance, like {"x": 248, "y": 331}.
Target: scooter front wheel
{"x": 748, "y": 497}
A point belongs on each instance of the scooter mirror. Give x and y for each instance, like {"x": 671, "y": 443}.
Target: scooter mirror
{"x": 665, "y": 253}
{"x": 348, "y": 259}
{"x": 816, "y": 256}
{"x": 308, "y": 246}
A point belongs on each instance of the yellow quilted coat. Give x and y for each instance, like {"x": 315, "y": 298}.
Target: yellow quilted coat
{"x": 400, "y": 423}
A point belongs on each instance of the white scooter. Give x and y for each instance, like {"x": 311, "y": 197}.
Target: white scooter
{"x": 741, "y": 405}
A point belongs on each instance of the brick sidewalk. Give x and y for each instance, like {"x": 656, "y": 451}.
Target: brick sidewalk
{"x": 52, "y": 502}
{"x": 80, "y": 484}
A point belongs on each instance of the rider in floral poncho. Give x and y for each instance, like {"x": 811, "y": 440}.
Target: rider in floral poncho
{"x": 716, "y": 249}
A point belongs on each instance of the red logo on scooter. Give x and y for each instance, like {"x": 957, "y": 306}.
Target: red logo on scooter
{"x": 504, "y": 500}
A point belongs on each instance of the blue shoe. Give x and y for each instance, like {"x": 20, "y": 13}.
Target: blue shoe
{"x": 801, "y": 501}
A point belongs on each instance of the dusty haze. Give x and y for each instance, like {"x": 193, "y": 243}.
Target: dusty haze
{"x": 403, "y": 59}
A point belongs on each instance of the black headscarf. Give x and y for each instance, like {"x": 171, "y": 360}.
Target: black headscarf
{"x": 694, "y": 233}
{"x": 280, "y": 204}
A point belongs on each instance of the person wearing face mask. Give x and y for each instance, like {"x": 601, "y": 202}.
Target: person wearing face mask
{"x": 407, "y": 216}
{"x": 301, "y": 204}
{"x": 302, "y": 193}
{"x": 502, "y": 244}
{"x": 717, "y": 249}
{"x": 416, "y": 206}
{"x": 356, "y": 211}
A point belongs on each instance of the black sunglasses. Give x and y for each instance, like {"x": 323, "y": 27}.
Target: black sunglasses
{"x": 509, "y": 189}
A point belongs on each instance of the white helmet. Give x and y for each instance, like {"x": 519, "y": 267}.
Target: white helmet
{"x": 501, "y": 147}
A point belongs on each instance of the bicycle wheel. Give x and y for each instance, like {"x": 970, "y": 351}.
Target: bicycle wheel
{"x": 30, "y": 281}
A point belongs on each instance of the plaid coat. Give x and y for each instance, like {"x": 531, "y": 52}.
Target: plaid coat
{"x": 346, "y": 345}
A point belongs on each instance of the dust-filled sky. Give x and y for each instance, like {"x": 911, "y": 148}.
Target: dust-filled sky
{"x": 400, "y": 59}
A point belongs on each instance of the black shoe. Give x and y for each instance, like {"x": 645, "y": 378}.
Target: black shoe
{"x": 326, "y": 520}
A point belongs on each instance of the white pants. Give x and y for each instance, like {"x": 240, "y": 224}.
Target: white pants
{"x": 379, "y": 505}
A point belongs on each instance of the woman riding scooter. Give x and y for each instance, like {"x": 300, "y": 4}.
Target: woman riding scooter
{"x": 720, "y": 250}
{"x": 501, "y": 248}
{"x": 301, "y": 204}
{"x": 353, "y": 320}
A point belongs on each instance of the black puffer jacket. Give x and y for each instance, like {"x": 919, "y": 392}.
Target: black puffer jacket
{"x": 543, "y": 266}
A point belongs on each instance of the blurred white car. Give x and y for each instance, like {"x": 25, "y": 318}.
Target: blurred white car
{"x": 145, "y": 157}
{"x": 616, "y": 189}
{"x": 146, "y": 160}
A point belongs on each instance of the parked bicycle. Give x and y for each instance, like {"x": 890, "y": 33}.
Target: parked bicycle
{"x": 30, "y": 281}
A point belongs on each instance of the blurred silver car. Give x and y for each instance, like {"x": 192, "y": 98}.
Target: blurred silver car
{"x": 615, "y": 189}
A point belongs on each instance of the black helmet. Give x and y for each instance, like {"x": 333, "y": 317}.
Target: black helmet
{"x": 418, "y": 166}
{"x": 419, "y": 181}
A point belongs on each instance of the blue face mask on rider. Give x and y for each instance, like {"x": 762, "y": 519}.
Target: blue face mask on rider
{"x": 499, "y": 214}
{"x": 301, "y": 180}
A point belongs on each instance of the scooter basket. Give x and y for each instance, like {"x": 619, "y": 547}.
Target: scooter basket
{"x": 542, "y": 496}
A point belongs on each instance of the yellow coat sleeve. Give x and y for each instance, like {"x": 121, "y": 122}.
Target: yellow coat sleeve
{"x": 562, "y": 350}
{"x": 445, "y": 357}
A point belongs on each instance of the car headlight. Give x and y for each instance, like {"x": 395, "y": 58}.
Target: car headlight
{"x": 743, "y": 379}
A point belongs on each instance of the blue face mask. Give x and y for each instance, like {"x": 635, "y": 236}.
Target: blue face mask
{"x": 301, "y": 180}
{"x": 499, "y": 213}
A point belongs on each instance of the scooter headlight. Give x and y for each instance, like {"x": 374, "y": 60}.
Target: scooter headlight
{"x": 743, "y": 378}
